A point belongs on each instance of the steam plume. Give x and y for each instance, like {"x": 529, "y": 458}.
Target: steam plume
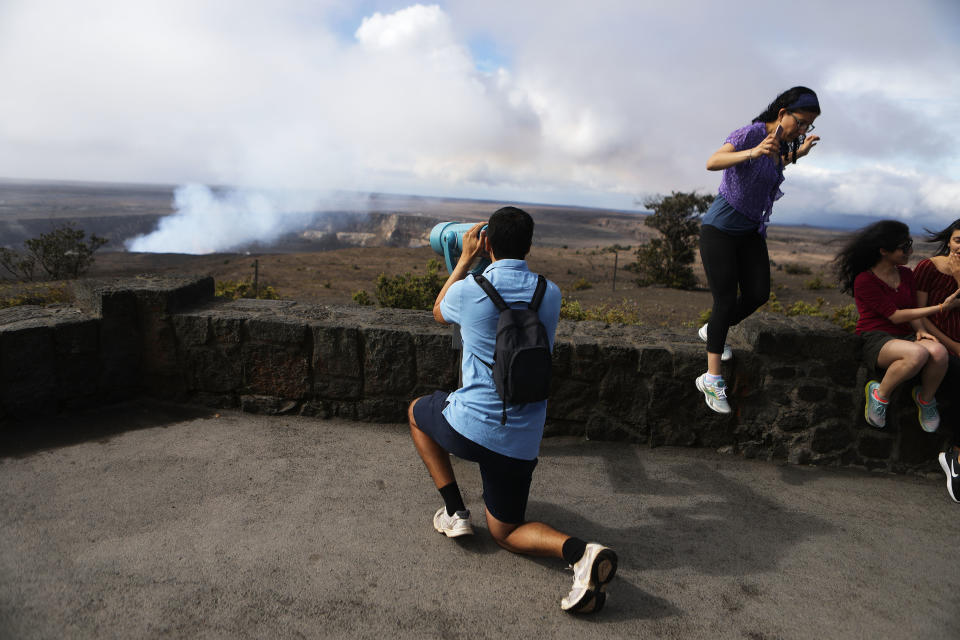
{"x": 206, "y": 221}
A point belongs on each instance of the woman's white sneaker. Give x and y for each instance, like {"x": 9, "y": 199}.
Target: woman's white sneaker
{"x": 715, "y": 394}
{"x": 727, "y": 351}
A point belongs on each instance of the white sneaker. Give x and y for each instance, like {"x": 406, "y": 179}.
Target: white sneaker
{"x": 591, "y": 574}
{"x": 727, "y": 351}
{"x": 452, "y": 526}
{"x": 714, "y": 394}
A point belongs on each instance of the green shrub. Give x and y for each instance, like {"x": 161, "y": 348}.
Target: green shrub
{"x": 817, "y": 283}
{"x": 846, "y": 317}
{"x": 39, "y": 294}
{"x": 626, "y": 312}
{"x": 363, "y": 298}
{"x": 234, "y": 290}
{"x": 572, "y": 310}
{"x": 408, "y": 291}
{"x": 582, "y": 284}
{"x": 773, "y": 305}
{"x": 801, "y": 308}
{"x": 62, "y": 254}
{"x": 796, "y": 269}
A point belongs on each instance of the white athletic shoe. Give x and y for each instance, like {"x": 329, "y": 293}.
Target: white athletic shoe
{"x": 591, "y": 574}
{"x": 714, "y": 394}
{"x": 452, "y": 526}
{"x": 727, "y": 351}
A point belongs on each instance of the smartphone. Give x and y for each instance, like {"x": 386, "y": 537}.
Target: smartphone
{"x": 778, "y": 132}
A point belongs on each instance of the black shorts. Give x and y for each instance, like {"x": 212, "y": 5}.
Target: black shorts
{"x": 873, "y": 342}
{"x": 506, "y": 480}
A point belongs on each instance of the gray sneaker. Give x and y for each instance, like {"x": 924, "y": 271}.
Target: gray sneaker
{"x": 727, "y": 351}
{"x": 715, "y": 394}
{"x": 591, "y": 574}
{"x": 927, "y": 412}
{"x": 452, "y": 526}
{"x": 874, "y": 409}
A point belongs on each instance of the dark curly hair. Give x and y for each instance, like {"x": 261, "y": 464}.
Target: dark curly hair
{"x": 943, "y": 237}
{"x": 784, "y": 101}
{"x": 862, "y": 250}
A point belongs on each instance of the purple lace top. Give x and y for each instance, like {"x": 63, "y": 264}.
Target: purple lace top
{"x": 753, "y": 186}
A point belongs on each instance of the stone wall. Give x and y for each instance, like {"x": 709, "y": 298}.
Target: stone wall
{"x": 795, "y": 383}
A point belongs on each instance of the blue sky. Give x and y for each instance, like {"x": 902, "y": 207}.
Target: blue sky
{"x": 596, "y": 104}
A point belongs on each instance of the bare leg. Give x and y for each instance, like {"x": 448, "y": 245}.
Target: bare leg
{"x": 935, "y": 369}
{"x": 902, "y": 360}
{"x": 713, "y": 364}
{"x": 529, "y": 538}
{"x": 435, "y": 457}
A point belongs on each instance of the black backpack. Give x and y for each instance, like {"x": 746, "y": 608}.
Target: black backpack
{"x": 521, "y": 358}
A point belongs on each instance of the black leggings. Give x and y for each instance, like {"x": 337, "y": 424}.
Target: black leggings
{"x": 950, "y": 415}
{"x": 732, "y": 263}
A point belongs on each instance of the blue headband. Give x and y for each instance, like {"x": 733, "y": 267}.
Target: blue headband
{"x": 806, "y": 102}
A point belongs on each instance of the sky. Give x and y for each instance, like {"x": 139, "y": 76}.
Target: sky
{"x": 601, "y": 103}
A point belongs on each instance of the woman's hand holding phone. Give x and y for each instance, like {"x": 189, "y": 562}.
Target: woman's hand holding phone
{"x": 770, "y": 146}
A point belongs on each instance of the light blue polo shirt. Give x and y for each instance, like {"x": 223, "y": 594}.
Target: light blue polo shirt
{"x": 475, "y": 408}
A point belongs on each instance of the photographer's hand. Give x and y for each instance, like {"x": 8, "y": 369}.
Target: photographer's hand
{"x": 472, "y": 247}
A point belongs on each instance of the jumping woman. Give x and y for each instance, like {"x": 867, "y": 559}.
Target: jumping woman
{"x": 733, "y": 245}
{"x": 872, "y": 267}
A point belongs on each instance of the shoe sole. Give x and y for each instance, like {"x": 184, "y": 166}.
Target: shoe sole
{"x": 454, "y": 533}
{"x": 866, "y": 407}
{"x": 915, "y": 392}
{"x": 601, "y": 573}
{"x": 946, "y": 469}
{"x": 707, "y": 398}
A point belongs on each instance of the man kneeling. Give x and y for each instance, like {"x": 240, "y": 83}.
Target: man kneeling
{"x": 475, "y": 424}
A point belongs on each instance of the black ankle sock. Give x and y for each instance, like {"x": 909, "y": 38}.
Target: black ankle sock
{"x": 573, "y": 550}
{"x": 452, "y": 498}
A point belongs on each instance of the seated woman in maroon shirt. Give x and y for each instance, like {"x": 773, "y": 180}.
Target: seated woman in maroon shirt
{"x": 871, "y": 266}
{"x": 937, "y": 278}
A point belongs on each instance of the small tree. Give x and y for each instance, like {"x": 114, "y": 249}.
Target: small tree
{"x": 62, "y": 254}
{"x": 666, "y": 260}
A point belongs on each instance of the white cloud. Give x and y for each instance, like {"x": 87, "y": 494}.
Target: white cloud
{"x": 598, "y": 104}
{"x": 877, "y": 190}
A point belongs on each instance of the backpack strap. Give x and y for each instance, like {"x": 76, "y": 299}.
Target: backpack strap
{"x": 538, "y": 294}
{"x": 491, "y": 291}
{"x": 497, "y": 299}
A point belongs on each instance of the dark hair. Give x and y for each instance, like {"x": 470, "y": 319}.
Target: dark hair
{"x": 510, "y": 232}
{"x": 862, "y": 250}
{"x": 943, "y": 237}
{"x": 789, "y": 98}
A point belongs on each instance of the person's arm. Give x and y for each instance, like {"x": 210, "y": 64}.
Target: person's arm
{"x": 472, "y": 247}
{"x": 952, "y": 345}
{"x": 728, "y": 156}
{"x": 901, "y": 316}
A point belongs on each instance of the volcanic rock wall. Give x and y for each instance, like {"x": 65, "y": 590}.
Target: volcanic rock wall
{"x": 795, "y": 383}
